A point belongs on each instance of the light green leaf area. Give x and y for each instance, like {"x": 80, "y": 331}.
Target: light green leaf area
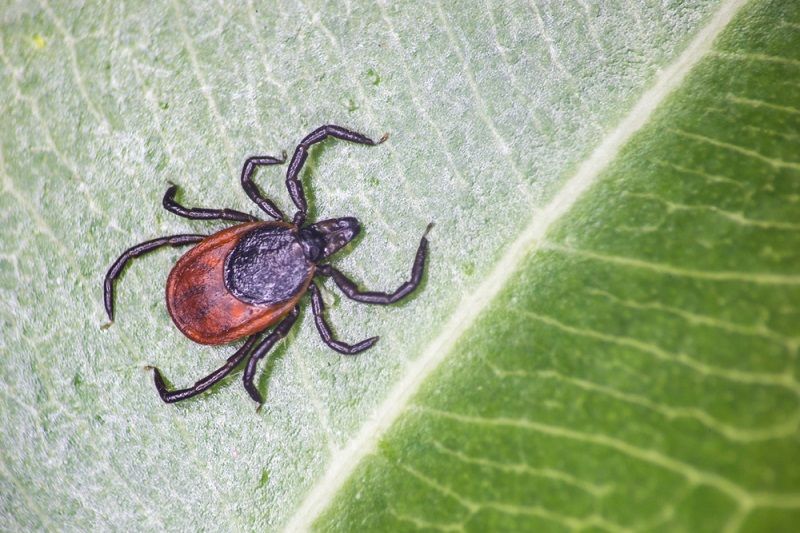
{"x": 639, "y": 372}
{"x": 490, "y": 107}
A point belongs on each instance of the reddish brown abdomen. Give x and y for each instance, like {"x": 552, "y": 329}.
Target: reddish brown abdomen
{"x": 200, "y": 304}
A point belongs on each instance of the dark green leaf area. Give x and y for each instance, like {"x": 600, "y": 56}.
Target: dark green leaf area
{"x": 639, "y": 372}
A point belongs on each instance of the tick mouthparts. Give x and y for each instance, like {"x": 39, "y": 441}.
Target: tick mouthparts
{"x": 336, "y": 233}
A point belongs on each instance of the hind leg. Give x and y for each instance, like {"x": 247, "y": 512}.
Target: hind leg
{"x": 172, "y": 396}
{"x": 135, "y": 251}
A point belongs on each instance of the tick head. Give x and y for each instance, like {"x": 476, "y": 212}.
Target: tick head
{"x": 336, "y": 233}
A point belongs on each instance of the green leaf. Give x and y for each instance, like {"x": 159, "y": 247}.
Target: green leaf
{"x": 491, "y": 109}
{"x": 639, "y": 370}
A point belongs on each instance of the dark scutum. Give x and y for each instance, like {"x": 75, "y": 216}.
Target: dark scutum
{"x": 267, "y": 266}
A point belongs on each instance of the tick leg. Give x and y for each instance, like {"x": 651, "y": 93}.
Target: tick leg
{"x": 251, "y": 188}
{"x": 324, "y": 329}
{"x": 201, "y": 213}
{"x": 352, "y": 291}
{"x": 135, "y": 251}
{"x": 280, "y": 331}
{"x": 172, "y": 396}
{"x": 300, "y": 155}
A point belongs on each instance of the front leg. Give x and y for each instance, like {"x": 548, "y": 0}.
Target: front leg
{"x": 351, "y": 290}
{"x": 318, "y": 306}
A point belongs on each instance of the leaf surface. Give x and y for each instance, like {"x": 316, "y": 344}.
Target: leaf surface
{"x": 639, "y": 370}
{"x": 490, "y": 109}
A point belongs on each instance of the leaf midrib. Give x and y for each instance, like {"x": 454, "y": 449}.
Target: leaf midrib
{"x": 342, "y": 464}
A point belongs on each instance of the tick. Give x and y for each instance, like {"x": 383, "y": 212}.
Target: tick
{"x": 244, "y": 279}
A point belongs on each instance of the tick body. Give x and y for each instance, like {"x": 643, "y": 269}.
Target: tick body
{"x": 238, "y": 282}
{"x": 242, "y": 280}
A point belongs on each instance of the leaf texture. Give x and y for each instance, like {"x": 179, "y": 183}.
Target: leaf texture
{"x": 639, "y": 372}
{"x": 489, "y": 107}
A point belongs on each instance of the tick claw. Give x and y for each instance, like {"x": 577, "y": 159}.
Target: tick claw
{"x": 107, "y": 325}
{"x": 383, "y": 139}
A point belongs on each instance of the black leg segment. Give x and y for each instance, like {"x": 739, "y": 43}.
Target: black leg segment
{"x": 201, "y": 213}
{"x": 280, "y": 331}
{"x": 324, "y": 329}
{"x": 135, "y": 251}
{"x": 300, "y": 155}
{"x": 352, "y": 291}
{"x": 172, "y": 396}
{"x": 251, "y": 188}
